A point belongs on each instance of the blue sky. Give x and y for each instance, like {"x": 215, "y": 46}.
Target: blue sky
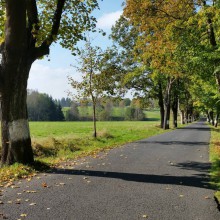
{"x": 51, "y": 76}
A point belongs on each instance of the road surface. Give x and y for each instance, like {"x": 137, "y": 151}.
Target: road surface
{"x": 164, "y": 177}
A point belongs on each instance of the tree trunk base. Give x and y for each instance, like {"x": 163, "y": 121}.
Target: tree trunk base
{"x": 20, "y": 152}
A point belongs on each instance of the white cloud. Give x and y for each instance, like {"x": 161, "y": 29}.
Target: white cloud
{"x": 52, "y": 81}
{"x": 108, "y": 20}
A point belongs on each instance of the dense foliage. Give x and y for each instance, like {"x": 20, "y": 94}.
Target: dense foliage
{"x": 42, "y": 107}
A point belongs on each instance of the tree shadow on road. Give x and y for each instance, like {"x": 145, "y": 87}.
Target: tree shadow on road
{"x": 184, "y": 143}
{"x": 195, "y": 128}
{"x": 197, "y": 180}
{"x": 193, "y": 165}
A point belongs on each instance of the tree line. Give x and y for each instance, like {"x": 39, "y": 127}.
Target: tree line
{"x": 109, "y": 109}
{"x": 42, "y": 107}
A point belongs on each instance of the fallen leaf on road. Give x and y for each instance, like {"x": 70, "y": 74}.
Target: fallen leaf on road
{"x": 85, "y": 178}
{"x": 181, "y": 195}
{"x": 44, "y": 185}
{"x": 62, "y": 184}
{"x": 23, "y": 215}
{"x": 32, "y": 204}
{"x": 145, "y": 216}
{"x": 31, "y": 191}
{"x": 1, "y": 202}
{"x": 9, "y": 202}
{"x": 13, "y": 187}
{"x": 207, "y": 197}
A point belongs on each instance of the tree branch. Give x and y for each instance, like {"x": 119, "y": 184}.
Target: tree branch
{"x": 211, "y": 33}
{"x": 32, "y": 14}
{"x": 41, "y": 51}
{"x": 44, "y": 49}
{"x": 2, "y": 47}
{"x": 56, "y": 22}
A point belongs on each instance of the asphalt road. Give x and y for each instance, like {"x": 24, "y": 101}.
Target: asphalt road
{"x": 160, "y": 178}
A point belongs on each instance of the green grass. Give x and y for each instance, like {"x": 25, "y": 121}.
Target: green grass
{"x": 152, "y": 115}
{"x": 54, "y": 141}
{"x": 215, "y": 159}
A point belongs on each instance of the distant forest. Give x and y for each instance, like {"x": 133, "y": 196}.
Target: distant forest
{"x": 42, "y": 107}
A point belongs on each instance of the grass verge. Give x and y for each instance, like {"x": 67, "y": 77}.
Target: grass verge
{"x": 215, "y": 160}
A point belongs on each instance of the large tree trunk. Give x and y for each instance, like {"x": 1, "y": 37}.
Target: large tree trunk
{"x": 211, "y": 115}
{"x": 18, "y": 52}
{"x": 167, "y": 105}
{"x": 94, "y": 121}
{"x": 15, "y": 67}
{"x": 166, "y": 124}
{"x": 161, "y": 105}
{"x": 182, "y": 117}
{"x": 175, "y": 110}
{"x": 208, "y": 117}
{"x": 16, "y": 142}
{"x": 216, "y": 119}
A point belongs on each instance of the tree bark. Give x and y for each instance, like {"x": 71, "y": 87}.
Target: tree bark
{"x": 208, "y": 117}
{"x": 161, "y": 105}
{"x": 211, "y": 115}
{"x": 167, "y": 105}
{"x": 182, "y": 117}
{"x": 216, "y": 119}
{"x": 94, "y": 121}
{"x": 175, "y": 110}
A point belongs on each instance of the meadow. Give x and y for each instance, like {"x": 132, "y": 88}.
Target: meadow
{"x": 57, "y": 141}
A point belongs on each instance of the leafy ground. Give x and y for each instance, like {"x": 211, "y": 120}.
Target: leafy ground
{"x": 215, "y": 159}
{"x": 54, "y": 142}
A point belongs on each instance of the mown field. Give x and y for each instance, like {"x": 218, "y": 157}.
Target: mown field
{"x": 54, "y": 141}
